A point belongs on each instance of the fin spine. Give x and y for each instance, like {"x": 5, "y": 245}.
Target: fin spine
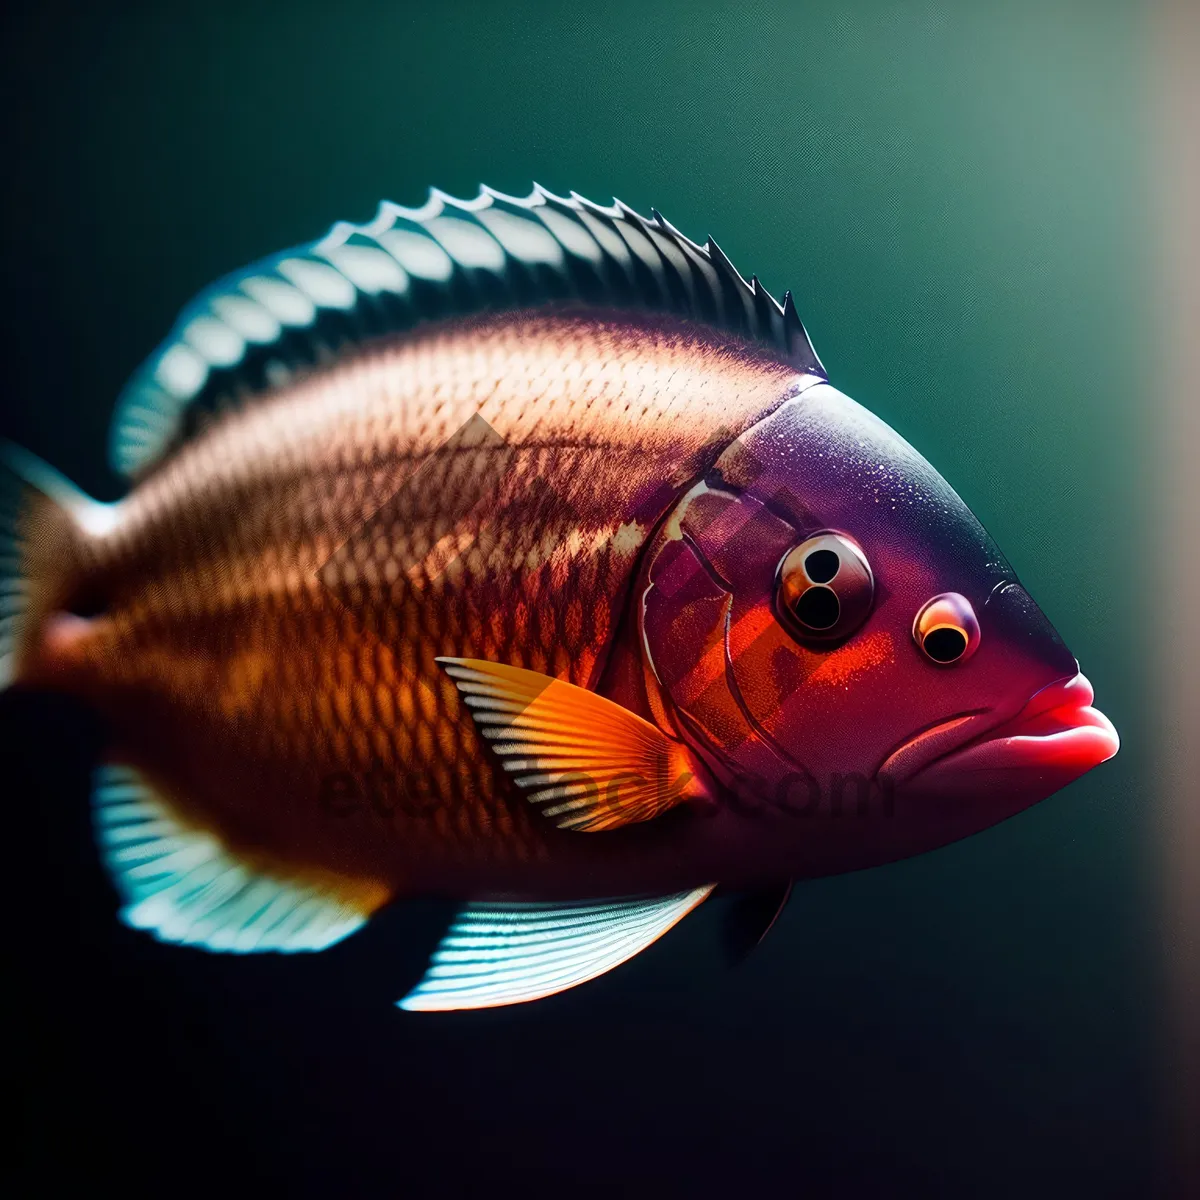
{"x": 260, "y": 326}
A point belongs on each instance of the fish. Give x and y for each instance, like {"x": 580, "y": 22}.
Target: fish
{"x": 519, "y": 551}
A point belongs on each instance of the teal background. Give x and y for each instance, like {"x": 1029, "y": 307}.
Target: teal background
{"x": 955, "y": 194}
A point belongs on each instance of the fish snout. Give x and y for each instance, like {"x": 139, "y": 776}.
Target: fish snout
{"x": 1013, "y": 615}
{"x": 1040, "y": 733}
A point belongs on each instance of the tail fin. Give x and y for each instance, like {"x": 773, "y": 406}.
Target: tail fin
{"x": 45, "y": 525}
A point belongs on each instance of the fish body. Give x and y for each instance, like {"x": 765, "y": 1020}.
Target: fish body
{"x": 282, "y": 586}
{"x": 520, "y": 552}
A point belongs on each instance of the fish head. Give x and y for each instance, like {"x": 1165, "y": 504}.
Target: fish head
{"x": 834, "y": 628}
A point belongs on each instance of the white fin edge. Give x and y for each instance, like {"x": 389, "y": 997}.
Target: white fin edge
{"x": 511, "y": 953}
{"x": 408, "y": 265}
{"x": 184, "y": 886}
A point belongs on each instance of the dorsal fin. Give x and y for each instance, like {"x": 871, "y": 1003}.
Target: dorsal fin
{"x": 449, "y": 258}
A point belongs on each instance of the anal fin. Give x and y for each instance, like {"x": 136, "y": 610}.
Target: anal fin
{"x": 510, "y": 953}
{"x": 184, "y": 885}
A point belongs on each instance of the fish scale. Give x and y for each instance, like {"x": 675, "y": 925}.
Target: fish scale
{"x": 301, "y": 545}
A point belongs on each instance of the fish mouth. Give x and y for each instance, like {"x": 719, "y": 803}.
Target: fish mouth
{"x": 1056, "y": 734}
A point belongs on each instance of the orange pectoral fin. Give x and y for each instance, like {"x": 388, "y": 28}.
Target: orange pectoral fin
{"x": 589, "y": 763}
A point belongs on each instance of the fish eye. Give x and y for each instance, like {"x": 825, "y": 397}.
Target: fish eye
{"x": 946, "y": 628}
{"x": 825, "y": 587}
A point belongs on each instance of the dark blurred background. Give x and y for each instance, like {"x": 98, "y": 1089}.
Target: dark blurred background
{"x": 956, "y": 195}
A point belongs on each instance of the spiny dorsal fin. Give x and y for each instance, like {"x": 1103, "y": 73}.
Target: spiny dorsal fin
{"x": 448, "y": 258}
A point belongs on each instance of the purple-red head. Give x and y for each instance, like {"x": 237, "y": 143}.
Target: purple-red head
{"x": 834, "y": 630}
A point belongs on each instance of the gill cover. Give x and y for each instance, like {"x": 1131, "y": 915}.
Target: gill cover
{"x": 708, "y": 595}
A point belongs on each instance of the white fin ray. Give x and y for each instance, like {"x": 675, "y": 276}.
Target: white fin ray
{"x": 447, "y": 258}
{"x": 510, "y": 953}
{"x": 184, "y": 886}
{"x": 41, "y": 512}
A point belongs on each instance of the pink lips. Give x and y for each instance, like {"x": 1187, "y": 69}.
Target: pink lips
{"x": 1056, "y": 729}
